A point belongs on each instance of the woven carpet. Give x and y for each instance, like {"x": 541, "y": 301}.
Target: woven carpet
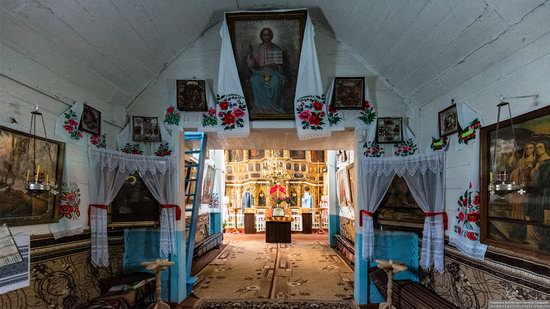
{"x": 253, "y": 269}
{"x": 267, "y": 303}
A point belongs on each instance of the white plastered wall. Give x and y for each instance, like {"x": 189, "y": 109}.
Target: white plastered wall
{"x": 23, "y": 83}
{"x": 523, "y": 73}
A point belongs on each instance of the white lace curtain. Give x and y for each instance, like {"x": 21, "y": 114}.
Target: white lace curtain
{"x": 424, "y": 175}
{"x": 108, "y": 171}
{"x": 163, "y": 188}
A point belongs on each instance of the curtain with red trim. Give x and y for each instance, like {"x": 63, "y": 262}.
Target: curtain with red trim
{"x": 424, "y": 175}
{"x": 108, "y": 170}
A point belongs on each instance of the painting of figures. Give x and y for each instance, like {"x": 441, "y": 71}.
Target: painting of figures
{"x": 17, "y": 165}
{"x": 519, "y": 219}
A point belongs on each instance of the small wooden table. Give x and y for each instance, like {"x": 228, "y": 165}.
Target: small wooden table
{"x": 278, "y": 231}
{"x": 157, "y": 266}
{"x": 390, "y": 267}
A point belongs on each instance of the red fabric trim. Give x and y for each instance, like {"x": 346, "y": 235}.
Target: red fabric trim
{"x": 364, "y": 212}
{"x": 177, "y": 207}
{"x": 100, "y": 206}
{"x": 445, "y": 218}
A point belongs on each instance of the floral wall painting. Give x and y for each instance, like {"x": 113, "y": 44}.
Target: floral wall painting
{"x": 349, "y": 93}
{"x": 267, "y": 49}
{"x": 517, "y": 220}
{"x": 91, "y": 120}
{"x": 191, "y": 95}
{"x": 145, "y": 129}
{"x": 17, "y": 157}
{"x": 448, "y": 121}
{"x": 389, "y": 130}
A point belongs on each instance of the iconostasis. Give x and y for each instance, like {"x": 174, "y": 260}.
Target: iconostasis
{"x": 254, "y": 172}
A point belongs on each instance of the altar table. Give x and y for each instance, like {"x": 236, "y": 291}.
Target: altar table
{"x": 277, "y": 232}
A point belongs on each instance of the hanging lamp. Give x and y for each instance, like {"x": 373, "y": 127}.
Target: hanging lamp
{"x": 40, "y": 182}
{"x": 499, "y": 181}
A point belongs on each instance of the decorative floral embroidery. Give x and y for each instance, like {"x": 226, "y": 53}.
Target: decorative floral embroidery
{"x": 209, "y": 119}
{"x": 334, "y": 116}
{"x": 214, "y": 200}
{"x": 99, "y": 140}
{"x": 469, "y": 133}
{"x": 70, "y": 201}
{"x": 163, "y": 150}
{"x": 172, "y": 116}
{"x": 367, "y": 114}
{"x": 468, "y": 214}
{"x": 405, "y": 148}
{"x": 232, "y": 111}
{"x": 439, "y": 143}
{"x": 373, "y": 150}
{"x": 132, "y": 149}
{"x": 310, "y": 110}
{"x": 71, "y": 125}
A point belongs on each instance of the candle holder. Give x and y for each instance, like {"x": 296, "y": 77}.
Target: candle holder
{"x": 500, "y": 185}
{"x": 37, "y": 186}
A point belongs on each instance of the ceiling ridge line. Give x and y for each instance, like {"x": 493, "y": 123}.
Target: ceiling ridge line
{"x": 51, "y": 96}
{"x": 485, "y": 9}
{"x": 31, "y": 27}
{"x": 364, "y": 61}
{"x": 473, "y": 92}
{"x": 488, "y": 42}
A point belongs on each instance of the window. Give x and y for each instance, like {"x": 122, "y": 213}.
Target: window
{"x": 134, "y": 203}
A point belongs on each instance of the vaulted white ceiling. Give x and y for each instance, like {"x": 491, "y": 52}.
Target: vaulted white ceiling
{"x": 116, "y": 48}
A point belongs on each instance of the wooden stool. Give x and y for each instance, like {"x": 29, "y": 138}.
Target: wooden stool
{"x": 157, "y": 266}
{"x": 390, "y": 267}
{"x": 235, "y": 228}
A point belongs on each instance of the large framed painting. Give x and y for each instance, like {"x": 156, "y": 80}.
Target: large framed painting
{"x": 267, "y": 49}
{"x": 349, "y": 93}
{"x": 517, "y": 220}
{"x": 17, "y": 151}
{"x": 208, "y": 184}
{"x": 351, "y": 182}
{"x": 343, "y": 187}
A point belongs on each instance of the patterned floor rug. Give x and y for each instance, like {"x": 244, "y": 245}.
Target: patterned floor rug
{"x": 253, "y": 269}
{"x": 266, "y": 303}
